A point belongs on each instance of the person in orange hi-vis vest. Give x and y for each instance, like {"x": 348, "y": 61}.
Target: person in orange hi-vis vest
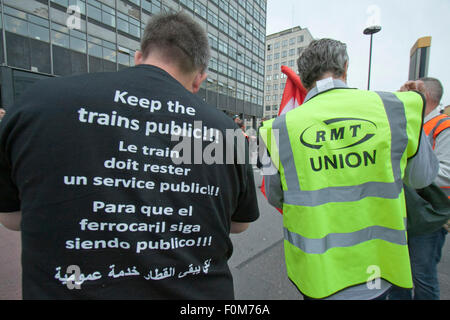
{"x": 425, "y": 250}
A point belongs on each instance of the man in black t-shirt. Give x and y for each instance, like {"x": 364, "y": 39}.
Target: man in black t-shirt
{"x": 126, "y": 185}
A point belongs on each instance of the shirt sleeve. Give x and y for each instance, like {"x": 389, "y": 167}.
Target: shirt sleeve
{"x": 273, "y": 188}
{"x": 9, "y": 194}
{"x": 442, "y": 152}
{"x": 247, "y": 210}
{"x": 422, "y": 169}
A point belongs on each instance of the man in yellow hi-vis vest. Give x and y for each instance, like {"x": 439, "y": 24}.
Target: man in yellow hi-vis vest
{"x": 338, "y": 163}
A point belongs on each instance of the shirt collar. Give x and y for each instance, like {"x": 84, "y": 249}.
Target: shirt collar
{"x": 324, "y": 85}
{"x": 432, "y": 114}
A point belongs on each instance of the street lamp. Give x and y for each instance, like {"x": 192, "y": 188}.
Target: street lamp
{"x": 371, "y": 30}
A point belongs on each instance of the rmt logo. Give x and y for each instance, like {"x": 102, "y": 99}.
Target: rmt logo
{"x": 339, "y": 134}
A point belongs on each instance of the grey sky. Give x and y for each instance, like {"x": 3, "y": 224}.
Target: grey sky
{"x": 402, "y": 21}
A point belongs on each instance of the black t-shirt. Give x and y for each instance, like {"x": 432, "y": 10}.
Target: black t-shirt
{"x": 108, "y": 210}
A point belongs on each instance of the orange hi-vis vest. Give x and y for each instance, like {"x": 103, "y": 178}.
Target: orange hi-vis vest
{"x": 432, "y": 129}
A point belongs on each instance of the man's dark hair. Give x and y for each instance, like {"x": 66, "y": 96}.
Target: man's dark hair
{"x": 179, "y": 38}
{"x": 320, "y": 57}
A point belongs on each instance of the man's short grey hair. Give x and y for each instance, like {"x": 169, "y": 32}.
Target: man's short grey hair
{"x": 320, "y": 57}
{"x": 179, "y": 38}
{"x": 434, "y": 89}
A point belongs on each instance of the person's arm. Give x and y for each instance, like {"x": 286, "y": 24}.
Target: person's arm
{"x": 238, "y": 227}
{"x": 442, "y": 152}
{"x": 422, "y": 169}
{"x": 11, "y": 220}
{"x": 272, "y": 181}
{"x": 247, "y": 209}
{"x": 10, "y": 209}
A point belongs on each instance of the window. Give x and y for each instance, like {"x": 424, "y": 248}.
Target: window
{"x": 95, "y": 50}
{"x": 77, "y": 44}
{"x": 200, "y": 9}
{"x": 37, "y": 28}
{"x": 300, "y": 38}
{"x": 155, "y": 7}
{"x": 123, "y": 59}
{"x": 233, "y": 12}
{"x": 123, "y": 25}
{"x": 38, "y": 32}
{"x": 231, "y": 72}
{"x": 232, "y": 32}
{"x": 94, "y": 13}
{"x": 213, "y": 64}
{"x": 213, "y": 42}
{"x": 239, "y": 75}
{"x": 109, "y": 19}
{"x": 223, "y": 25}
{"x": 213, "y": 19}
{"x": 109, "y": 54}
{"x": 223, "y": 47}
{"x": 224, "y": 6}
{"x": 63, "y": 3}
{"x": 60, "y": 39}
{"x": 16, "y": 25}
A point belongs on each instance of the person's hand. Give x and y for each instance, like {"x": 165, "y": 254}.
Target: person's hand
{"x": 447, "y": 226}
{"x": 414, "y": 86}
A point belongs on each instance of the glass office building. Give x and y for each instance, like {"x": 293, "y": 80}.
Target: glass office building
{"x": 42, "y": 38}
{"x": 282, "y": 49}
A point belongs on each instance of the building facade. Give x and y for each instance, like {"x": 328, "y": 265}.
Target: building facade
{"x": 282, "y": 48}
{"x": 43, "y": 38}
{"x": 419, "y": 59}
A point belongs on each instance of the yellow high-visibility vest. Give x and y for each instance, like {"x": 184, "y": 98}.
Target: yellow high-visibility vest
{"x": 341, "y": 157}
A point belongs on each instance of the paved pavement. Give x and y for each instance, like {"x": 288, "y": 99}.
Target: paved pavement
{"x": 257, "y": 263}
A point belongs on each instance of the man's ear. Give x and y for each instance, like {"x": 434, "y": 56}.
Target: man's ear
{"x": 346, "y": 71}
{"x": 138, "y": 58}
{"x": 198, "y": 80}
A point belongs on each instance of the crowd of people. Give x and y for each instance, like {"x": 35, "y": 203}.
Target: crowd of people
{"x": 105, "y": 214}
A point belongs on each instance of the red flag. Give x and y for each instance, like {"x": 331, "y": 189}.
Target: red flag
{"x": 293, "y": 95}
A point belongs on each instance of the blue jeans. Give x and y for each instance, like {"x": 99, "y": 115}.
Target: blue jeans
{"x": 425, "y": 253}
